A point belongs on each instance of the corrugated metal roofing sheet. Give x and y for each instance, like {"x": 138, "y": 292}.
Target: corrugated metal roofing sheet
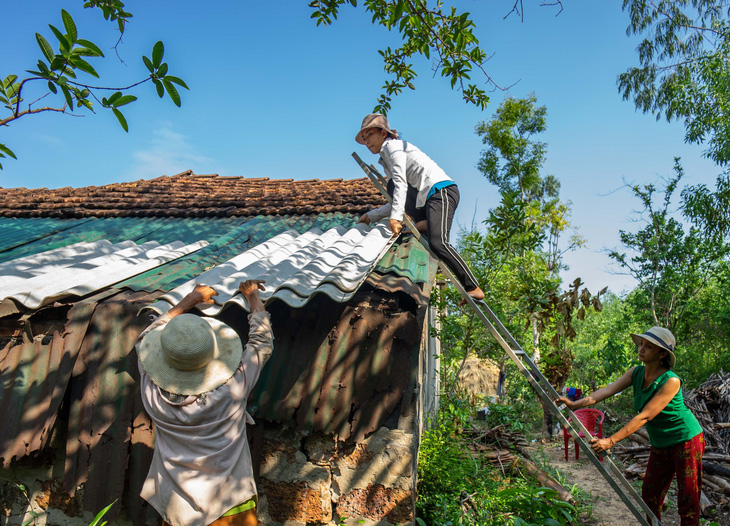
{"x": 103, "y": 404}
{"x": 227, "y": 237}
{"x": 16, "y": 233}
{"x": 78, "y": 271}
{"x": 295, "y": 267}
{"x": 34, "y": 374}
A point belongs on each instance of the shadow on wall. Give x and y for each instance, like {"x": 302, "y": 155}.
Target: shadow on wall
{"x": 337, "y": 396}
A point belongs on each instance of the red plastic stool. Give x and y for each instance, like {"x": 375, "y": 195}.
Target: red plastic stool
{"x": 589, "y": 418}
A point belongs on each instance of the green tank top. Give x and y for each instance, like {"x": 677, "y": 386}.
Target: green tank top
{"x": 675, "y": 423}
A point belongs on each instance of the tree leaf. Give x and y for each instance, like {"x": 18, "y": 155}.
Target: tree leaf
{"x": 52, "y": 87}
{"x": 177, "y": 81}
{"x": 121, "y": 119}
{"x": 81, "y": 64}
{"x": 7, "y": 151}
{"x": 43, "y": 68}
{"x": 162, "y": 70}
{"x": 45, "y": 47}
{"x": 158, "y": 50}
{"x": 87, "y": 103}
{"x": 68, "y": 23}
{"x": 111, "y": 100}
{"x": 90, "y": 45}
{"x": 82, "y": 52}
{"x": 67, "y": 95}
{"x": 160, "y": 88}
{"x": 172, "y": 91}
{"x": 126, "y": 99}
{"x": 9, "y": 80}
{"x": 58, "y": 63}
{"x": 62, "y": 40}
{"x": 148, "y": 63}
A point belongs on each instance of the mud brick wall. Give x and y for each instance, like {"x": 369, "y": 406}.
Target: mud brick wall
{"x": 319, "y": 480}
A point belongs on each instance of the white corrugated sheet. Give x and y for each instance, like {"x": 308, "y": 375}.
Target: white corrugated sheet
{"x": 295, "y": 267}
{"x": 83, "y": 268}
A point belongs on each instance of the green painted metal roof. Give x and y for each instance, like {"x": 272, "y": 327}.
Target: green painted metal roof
{"x": 408, "y": 258}
{"x": 227, "y": 238}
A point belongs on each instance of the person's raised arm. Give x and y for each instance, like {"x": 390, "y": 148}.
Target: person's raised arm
{"x": 260, "y": 337}
{"x": 397, "y": 160}
{"x": 624, "y": 382}
{"x": 655, "y": 406}
{"x": 200, "y": 294}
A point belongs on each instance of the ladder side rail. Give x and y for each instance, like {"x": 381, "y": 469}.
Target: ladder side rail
{"x": 499, "y": 332}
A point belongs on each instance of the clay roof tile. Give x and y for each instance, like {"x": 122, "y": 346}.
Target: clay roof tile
{"x": 191, "y": 195}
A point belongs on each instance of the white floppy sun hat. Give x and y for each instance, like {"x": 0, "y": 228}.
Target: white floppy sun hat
{"x": 191, "y": 355}
{"x": 662, "y": 338}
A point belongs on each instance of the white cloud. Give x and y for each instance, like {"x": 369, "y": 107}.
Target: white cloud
{"x": 169, "y": 152}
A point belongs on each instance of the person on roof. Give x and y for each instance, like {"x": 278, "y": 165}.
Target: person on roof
{"x": 675, "y": 435}
{"x": 410, "y": 172}
{"x": 195, "y": 379}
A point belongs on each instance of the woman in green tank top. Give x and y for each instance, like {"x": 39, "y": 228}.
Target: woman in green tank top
{"x": 677, "y": 443}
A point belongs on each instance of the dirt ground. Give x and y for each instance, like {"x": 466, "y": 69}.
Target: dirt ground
{"x": 608, "y": 508}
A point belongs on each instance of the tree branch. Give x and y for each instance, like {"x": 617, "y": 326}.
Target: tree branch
{"x": 30, "y": 111}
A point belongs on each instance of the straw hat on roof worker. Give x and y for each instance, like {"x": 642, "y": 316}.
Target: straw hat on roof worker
{"x": 374, "y": 120}
{"x": 191, "y": 354}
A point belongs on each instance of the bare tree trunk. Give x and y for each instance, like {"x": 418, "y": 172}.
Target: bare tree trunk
{"x": 535, "y": 339}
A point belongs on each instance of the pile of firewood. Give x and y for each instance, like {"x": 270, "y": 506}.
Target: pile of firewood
{"x": 710, "y": 403}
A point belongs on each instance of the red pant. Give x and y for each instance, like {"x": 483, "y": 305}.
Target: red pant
{"x": 685, "y": 460}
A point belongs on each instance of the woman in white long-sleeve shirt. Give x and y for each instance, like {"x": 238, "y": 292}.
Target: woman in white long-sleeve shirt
{"x": 437, "y": 194}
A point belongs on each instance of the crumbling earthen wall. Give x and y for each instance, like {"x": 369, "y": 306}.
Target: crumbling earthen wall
{"x": 317, "y": 479}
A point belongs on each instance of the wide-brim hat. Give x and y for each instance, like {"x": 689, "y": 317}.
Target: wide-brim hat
{"x": 191, "y": 355}
{"x": 662, "y": 338}
{"x": 374, "y": 120}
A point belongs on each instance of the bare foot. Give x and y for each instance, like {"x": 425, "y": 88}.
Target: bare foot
{"x": 477, "y": 294}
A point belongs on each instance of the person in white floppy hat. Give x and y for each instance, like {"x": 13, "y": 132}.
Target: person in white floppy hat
{"x": 436, "y": 195}
{"x": 675, "y": 435}
{"x": 196, "y": 376}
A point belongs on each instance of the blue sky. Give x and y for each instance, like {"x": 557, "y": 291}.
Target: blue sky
{"x": 273, "y": 95}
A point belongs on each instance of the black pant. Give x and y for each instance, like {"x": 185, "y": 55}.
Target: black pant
{"x": 416, "y": 214}
{"x": 440, "y": 209}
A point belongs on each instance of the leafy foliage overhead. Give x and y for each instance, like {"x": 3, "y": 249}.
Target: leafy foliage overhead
{"x": 430, "y": 30}
{"x": 684, "y": 67}
{"x": 62, "y": 68}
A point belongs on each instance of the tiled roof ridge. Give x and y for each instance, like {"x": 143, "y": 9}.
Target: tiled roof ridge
{"x": 187, "y": 194}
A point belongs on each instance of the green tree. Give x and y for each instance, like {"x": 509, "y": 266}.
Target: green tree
{"x": 709, "y": 210}
{"x": 684, "y": 69}
{"x": 672, "y": 263}
{"x": 602, "y": 347}
{"x": 62, "y": 71}
{"x": 512, "y": 162}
